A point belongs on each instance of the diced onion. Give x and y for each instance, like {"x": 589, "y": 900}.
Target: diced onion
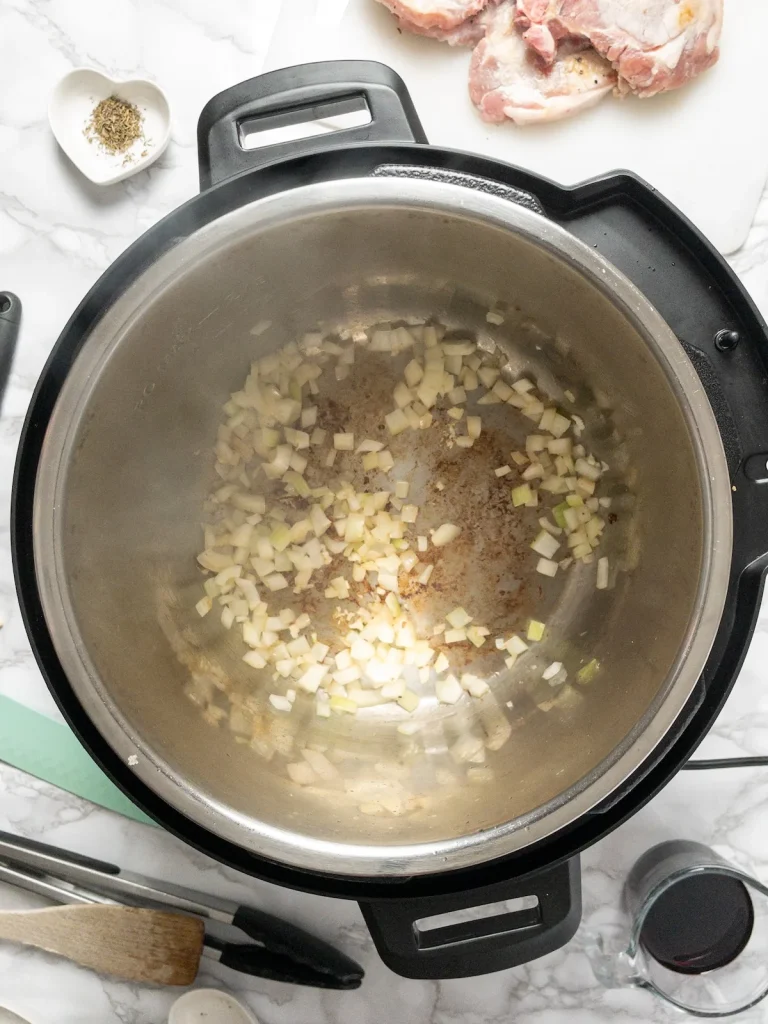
{"x": 441, "y": 663}
{"x": 502, "y": 390}
{"x": 586, "y": 469}
{"x": 477, "y": 635}
{"x": 409, "y": 701}
{"x": 516, "y": 645}
{"x": 521, "y": 495}
{"x": 474, "y": 426}
{"x": 448, "y": 690}
{"x": 402, "y": 395}
{"x": 474, "y": 685}
{"x": 534, "y": 472}
{"x": 276, "y": 581}
{"x": 488, "y": 375}
{"x": 588, "y": 672}
{"x": 445, "y": 534}
{"x": 297, "y": 438}
{"x": 413, "y": 373}
{"x": 309, "y": 416}
{"x": 545, "y": 544}
{"x": 343, "y": 705}
{"x": 311, "y": 679}
{"x": 545, "y": 524}
{"x": 602, "y": 573}
{"x": 455, "y": 636}
{"x": 459, "y": 348}
{"x": 309, "y": 524}
{"x": 344, "y": 442}
{"x": 319, "y": 520}
{"x": 458, "y": 618}
{"x": 423, "y": 577}
{"x": 280, "y": 703}
{"x": 546, "y": 567}
{"x": 535, "y": 630}
{"x": 369, "y": 445}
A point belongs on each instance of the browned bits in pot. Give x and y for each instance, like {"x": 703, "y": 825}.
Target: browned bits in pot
{"x": 419, "y": 567}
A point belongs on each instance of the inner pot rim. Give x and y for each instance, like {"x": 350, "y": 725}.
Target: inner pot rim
{"x": 292, "y": 848}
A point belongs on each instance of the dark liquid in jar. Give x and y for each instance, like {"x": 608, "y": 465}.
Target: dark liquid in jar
{"x": 699, "y": 924}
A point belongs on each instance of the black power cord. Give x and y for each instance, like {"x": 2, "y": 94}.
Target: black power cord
{"x": 728, "y": 762}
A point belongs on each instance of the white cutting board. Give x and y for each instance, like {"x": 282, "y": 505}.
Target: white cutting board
{"x": 705, "y": 147}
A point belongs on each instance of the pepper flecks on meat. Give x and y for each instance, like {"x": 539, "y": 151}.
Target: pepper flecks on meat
{"x": 654, "y": 45}
{"x": 506, "y": 82}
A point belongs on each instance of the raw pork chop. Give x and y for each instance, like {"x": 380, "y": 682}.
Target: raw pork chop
{"x": 655, "y": 45}
{"x": 507, "y": 80}
{"x": 442, "y": 15}
{"x": 466, "y": 33}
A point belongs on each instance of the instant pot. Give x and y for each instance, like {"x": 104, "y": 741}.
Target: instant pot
{"x": 109, "y": 481}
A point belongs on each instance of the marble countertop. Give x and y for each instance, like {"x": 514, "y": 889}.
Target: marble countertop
{"x": 57, "y": 234}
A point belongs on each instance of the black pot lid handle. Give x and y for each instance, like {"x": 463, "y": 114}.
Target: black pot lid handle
{"x": 290, "y": 97}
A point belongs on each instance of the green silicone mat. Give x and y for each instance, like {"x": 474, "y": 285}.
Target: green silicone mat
{"x": 50, "y": 751}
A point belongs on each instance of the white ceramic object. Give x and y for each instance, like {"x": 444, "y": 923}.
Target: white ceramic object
{"x": 9, "y": 1017}
{"x": 209, "y": 1006}
{"x": 70, "y": 110}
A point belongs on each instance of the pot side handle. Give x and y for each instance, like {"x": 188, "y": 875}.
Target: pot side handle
{"x": 10, "y": 318}
{"x": 309, "y": 93}
{"x": 414, "y": 947}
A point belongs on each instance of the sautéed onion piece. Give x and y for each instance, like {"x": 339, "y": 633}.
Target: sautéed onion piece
{"x": 285, "y": 515}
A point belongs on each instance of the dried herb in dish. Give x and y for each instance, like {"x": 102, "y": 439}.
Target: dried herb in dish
{"x": 115, "y": 124}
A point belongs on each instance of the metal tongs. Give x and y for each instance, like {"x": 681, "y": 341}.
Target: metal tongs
{"x": 280, "y": 951}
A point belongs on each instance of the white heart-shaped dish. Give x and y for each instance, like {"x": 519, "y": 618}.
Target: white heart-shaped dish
{"x": 70, "y": 110}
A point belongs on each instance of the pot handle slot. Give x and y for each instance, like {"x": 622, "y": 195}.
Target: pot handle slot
{"x": 337, "y": 102}
{"x": 10, "y": 318}
{"x": 483, "y": 930}
{"x": 473, "y": 181}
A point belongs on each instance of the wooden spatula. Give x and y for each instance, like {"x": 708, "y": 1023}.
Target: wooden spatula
{"x": 134, "y": 943}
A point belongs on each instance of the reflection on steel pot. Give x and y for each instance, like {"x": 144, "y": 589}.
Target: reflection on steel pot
{"x": 115, "y": 464}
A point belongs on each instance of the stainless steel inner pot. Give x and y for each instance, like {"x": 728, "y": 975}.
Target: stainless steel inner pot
{"x": 127, "y": 462}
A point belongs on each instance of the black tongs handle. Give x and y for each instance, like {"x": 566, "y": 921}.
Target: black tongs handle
{"x": 10, "y": 318}
{"x": 292, "y": 954}
{"x": 249, "y": 958}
